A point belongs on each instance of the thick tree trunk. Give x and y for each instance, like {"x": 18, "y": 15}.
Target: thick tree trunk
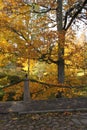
{"x": 61, "y": 41}
{"x": 61, "y": 61}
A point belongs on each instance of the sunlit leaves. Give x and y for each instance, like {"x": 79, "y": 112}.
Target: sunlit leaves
{"x": 26, "y": 35}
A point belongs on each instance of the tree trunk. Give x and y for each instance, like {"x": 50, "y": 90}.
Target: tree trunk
{"x": 61, "y": 61}
{"x": 61, "y": 41}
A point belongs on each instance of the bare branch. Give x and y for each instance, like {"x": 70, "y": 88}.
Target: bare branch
{"x": 78, "y": 11}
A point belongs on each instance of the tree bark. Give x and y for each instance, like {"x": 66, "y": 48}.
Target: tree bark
{"x": 61, "y": 41}
{"x": 61, "y": 61}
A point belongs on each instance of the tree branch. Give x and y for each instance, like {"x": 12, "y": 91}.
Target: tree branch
{"x": 75, "y": 14}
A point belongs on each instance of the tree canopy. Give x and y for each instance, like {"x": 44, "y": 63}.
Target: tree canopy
{"x": 44, "y": 35}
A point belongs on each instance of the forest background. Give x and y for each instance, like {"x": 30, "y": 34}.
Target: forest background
{"x": 48, "y": 41}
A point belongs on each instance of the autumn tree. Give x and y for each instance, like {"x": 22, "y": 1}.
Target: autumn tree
{"x": 36, "y": 26}
{"x": 67, "y": 14}
{"x": 15, "y": 34}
